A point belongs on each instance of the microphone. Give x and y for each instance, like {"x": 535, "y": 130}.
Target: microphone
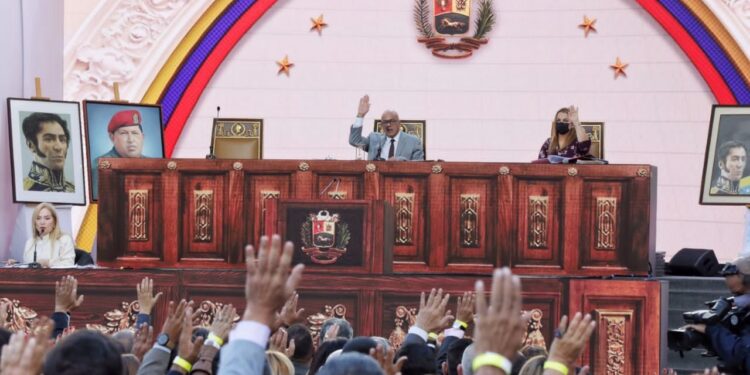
{"x": 336, "y": 180}
{"x": 34, "y": 264}
{"x": 218, "y": 110}
{"x": 211, "y": 155}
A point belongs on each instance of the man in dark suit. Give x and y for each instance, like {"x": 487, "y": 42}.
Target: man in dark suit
{"x": 391, "y": 144}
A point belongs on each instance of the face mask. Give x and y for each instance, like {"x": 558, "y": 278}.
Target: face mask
{"x": 562, "y": 127}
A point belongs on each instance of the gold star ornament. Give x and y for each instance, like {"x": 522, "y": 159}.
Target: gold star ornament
{"x": 284, "y": 65}
{"x": 588, "y": 25}
{"x": 318, "y": 24}
{"x": 619, "y": 68}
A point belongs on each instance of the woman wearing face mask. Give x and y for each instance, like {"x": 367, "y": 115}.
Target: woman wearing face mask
{"x": 52, "y": 247}
{"x": 568, "y": 138}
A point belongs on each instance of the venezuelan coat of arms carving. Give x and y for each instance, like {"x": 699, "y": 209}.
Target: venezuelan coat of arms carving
{"x": 444, "y": 26}
{"x": 325, "y": 237}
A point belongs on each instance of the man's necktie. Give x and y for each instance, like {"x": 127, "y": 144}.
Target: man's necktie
{"x": 391, "y": 150}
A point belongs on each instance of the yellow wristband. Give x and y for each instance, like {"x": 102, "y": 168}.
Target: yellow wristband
{"x": 185, "y": 365}
{"x": 215, "y": 339}
{"x": 557, "y": 366}
{"x": 432, "y": 335}
{"x": 461, "y": 323}
{"x": 491, "y": 359}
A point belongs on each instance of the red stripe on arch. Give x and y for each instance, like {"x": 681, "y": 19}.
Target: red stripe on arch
{"x": 715, "y": 82}
{"x": 201, "y": 78}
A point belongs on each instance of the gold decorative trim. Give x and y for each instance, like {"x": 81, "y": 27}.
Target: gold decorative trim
{"x": 614, "y": 325}
{"x": 370, "y": 167}
{"x": 303, "y": 166}
{"x": 138, "y": 214}
{"x": 642, "y": 172}
{"x": 572, "y": 172}
{"x": 404, "y": 203}
{"x": 207, "y": 310}
{"x": 606, "y": 223}
{"x": 20, "y": 318}
{"x": 406, "y": 315}
{"x": 337, "y": 195}
{"x": 269, "y": 194}
{"x": 504, "y": 171}
{"x": 437, "y": 169}
{"x": 172, "y": 165}
{"x": 533, "y": 335}
{"x": 118, "y": 319}
{"x": 470, "y": 220}
{"x": 203, "y": 229}
{"x": 265, "y": 195}
{"x": 315, "y": 321}
{"x": 537, "y": 226}
{"x": 105, "y": 164}
{"x": 237, "y": 166}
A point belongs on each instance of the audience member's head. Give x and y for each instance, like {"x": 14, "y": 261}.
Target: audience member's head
{"x": 518, "y": 364}
{"x": 4, "y": 336}
{"x": 382, "y": 341}
{"x": 421, "y": 359}
{"x": 333, "y": 355}
{"x": 125, "y": 338}
{"x": 321, "y": 355}
{"x": 279, "y": 363}
{"x": 351, "y": 364}
{"x": 84, "y": 352}
{"x": 533, "y": 366}
{"x": 360, "y": 344}
{"x": 466, "y": 359}
{"x": 200, "y": 332}
{"x": 303, "y": 345}
{"x": 532, "y": 351}
{"x": 345, "y": 329}
{"x": 455, "y": 353}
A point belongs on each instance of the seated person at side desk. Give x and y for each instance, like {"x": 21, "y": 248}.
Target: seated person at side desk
{"x": 392, "y": 144}
{"x": 568, "y": 138}
{"x": 48, "y": 246}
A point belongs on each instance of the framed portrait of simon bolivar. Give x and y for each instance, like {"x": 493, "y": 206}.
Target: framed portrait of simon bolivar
{"x": 120, "y": 130}
{"x": 46, "y": 151}
{"x": 726, "y": 175}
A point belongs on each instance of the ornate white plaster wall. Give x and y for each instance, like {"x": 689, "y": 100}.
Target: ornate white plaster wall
{"x": 495, "y": 106}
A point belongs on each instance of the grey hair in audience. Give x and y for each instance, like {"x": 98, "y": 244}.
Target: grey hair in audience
{"x": 125, "y": 338}
{"x": 467, "y": 359}
{"x": 345, "y": 329}
{"x": 351, "y": 364}
{"x": 382, "y": 341}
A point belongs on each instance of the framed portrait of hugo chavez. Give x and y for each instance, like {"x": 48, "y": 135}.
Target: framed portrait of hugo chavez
{"x": 120, "y": 130}
{"x": 46, "y": 151}
{"x": 726, "y": 180}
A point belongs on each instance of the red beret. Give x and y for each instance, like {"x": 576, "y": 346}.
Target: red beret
{"x": 128, "y": 117}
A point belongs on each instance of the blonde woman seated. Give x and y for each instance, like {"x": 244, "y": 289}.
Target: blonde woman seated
{"x": 568, "y": 138}
{"x": 48, "y": 245}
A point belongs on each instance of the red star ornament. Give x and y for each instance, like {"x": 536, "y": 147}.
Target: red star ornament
{"x": 588, "y": 25}
{"x": 318, "y": 24}
{"x": 284, "y": 65}
{"x": 619, "y": 68}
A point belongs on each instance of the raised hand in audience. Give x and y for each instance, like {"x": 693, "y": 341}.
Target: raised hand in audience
{"x": 571, "y": 339}
{"x": 279, "y": 343}
{"x": 172, "y": 326}
{"x": 66, "y": 295}
{"x": 499, "y": 325}
{"x": 24, "y": 355}
{"x": 385, "y": 360}
{"x": 289, "y": 313}
{"x": 269, "y": 283}
{"x": 465, "y": 307}
{"x": 222, "y": 323}
{"x": 146, "y": 298}
{"x": 4, "y": 312}
{"x": 144, "y": 338}
{"x": 364, "y": 106}
{"x": 332, "y": 333}
{"x": 432, "y": 316}
{"x": 187, "y": 350}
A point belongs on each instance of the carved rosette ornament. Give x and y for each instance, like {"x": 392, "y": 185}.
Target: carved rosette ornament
{"x": 172, "y": 165}
{"x": 572, "y": 172}
{"x": 20, "y": 318}
{"x": 237, "y": 166}
{"x": 403, "y": 315}
{"x": 303, "y": 166}
{"x": 437, "y": 169}
{"x": 642, "y": 172}
{"x": 105, "y": 164}
{"x": 315, "y": 321}
{"x": 118, "y": 319}
{"x": 207, "y": 310}
{"x": 504, "y": 171}
{"x": 370, "y": 167}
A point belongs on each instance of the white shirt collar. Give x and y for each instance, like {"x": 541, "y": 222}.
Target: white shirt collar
{"x": 388, "y": 139}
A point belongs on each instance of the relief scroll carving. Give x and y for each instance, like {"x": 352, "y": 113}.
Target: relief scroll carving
{"x": 537, "y": 226}
{"x": 470, "y": 220}
{"x": 138, "y": 215}
{"x": 119, "y": 319}
{"x": 315, "y": 321}
{"x": 19, "y": 318}
{"x": 203, "y": 201}
{"x": 404, "y": 205}
{"x": 606, "y": 223}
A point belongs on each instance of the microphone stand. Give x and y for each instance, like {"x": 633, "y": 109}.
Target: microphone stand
{"x": 34, "y": 264}
{"x": 211, "y": 155}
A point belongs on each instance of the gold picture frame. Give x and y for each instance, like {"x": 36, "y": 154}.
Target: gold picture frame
{"x": 595, "y": 130}
{"x": 417, "y": 128}
{"x": 235, "y": 138}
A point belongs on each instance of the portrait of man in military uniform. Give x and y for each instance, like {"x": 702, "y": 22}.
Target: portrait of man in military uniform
{"x": 48, "y": 138}
{"x": 121, "y": 131}
{"x": 731, "y": 160}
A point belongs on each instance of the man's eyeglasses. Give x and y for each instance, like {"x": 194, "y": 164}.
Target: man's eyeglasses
{"x": 388, "y": 122}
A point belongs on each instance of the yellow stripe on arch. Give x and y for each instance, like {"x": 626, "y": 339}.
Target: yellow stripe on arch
{"x": 179, "y": 54}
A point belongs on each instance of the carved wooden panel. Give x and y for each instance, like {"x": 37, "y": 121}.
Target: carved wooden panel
{"x": 204, "y": 203}
{"x": 470, "y": 218}
{"x": 320, "y": 306}
{"x": 260, "y": 189}
{"x": 408, "y": 196}
{"x": 138, "y": 221}
{"x": 339, "y": 186}
{"x": 602, "y": 229}
{"x": 539, "y": 216}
